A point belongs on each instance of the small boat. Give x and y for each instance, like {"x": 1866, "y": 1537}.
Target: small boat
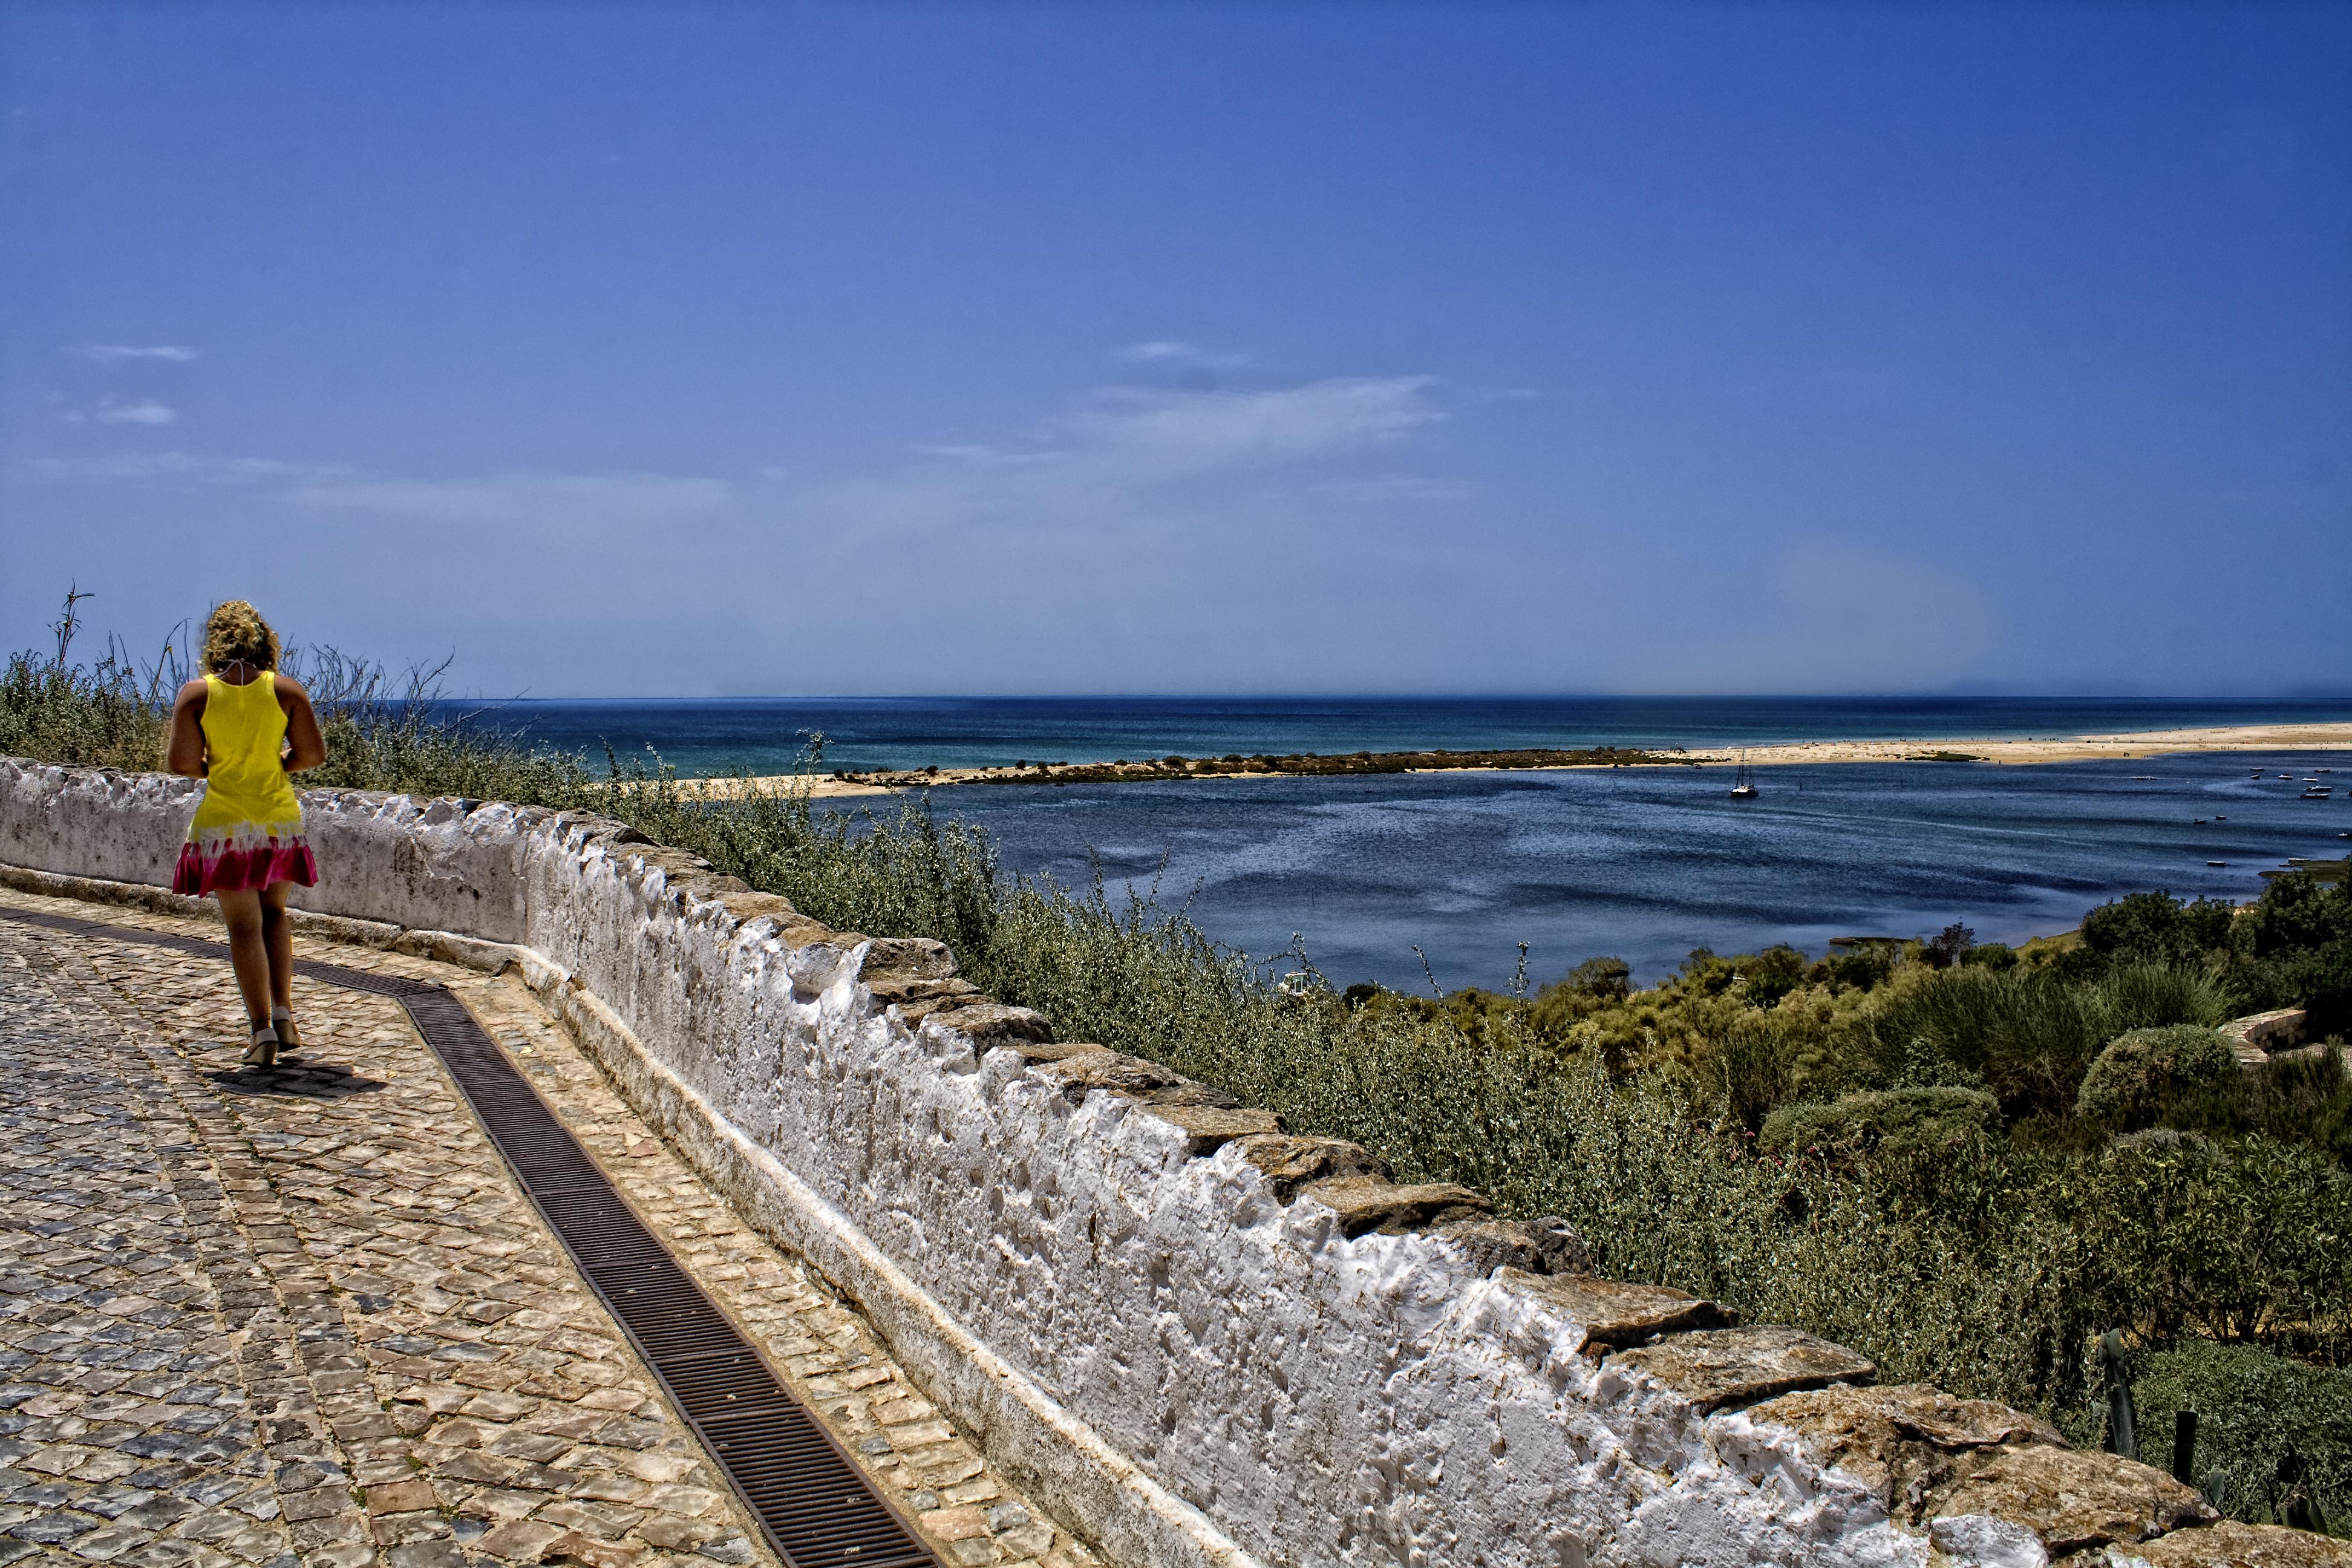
{"x": 2200, "y": 822}
{"x": 2315, "y": 791}
{"x": 2217, "y": 862}
{"x": 2221, "y": 819}
{"x": 1743, "y": 787}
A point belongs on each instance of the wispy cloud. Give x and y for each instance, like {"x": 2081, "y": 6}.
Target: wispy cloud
{"x": 109, "y": 352}
{"x": 1129, "y": 470}
{"x": 1398, "y": 488}
{"x": 146, "y": 411}
{"x": 1179, "y": 432}
{"x": 177, "y": 469}
{"x": 517, "y": 497}
{"x": 1168, "y": 351}
{"x": 1142, "y": 436}
{"x": 524, "y": 496}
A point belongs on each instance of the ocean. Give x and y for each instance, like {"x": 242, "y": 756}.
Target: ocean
{"x": 1646, "y": 864}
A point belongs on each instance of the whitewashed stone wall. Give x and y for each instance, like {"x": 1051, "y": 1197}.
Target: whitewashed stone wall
{"x": 1202, "y": 1341}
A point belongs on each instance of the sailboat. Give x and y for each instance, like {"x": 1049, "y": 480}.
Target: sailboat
{"x": 1744, "y": 786}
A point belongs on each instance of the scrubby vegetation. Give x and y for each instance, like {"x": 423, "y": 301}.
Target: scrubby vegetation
{"x": 1963, "y": 1161}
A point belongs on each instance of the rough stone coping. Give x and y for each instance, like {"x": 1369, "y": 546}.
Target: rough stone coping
{"x": 2072, "y": 1499}
{"x": 1615, "y": 1315}
{"x": 2229, "y": 1544}
{"x": 1968, "y": 1469}
{"x": 1714, "y": 1368}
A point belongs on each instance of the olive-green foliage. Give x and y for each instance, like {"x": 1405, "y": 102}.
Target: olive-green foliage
{"x": 2141, "y": 1070}
{"x": 1895, "y": 1121}
{"x": 2153, "y": 927}
{"x": 105, "y": 717}
{"x": 2294, "y": 945}
{"x": 2324, "y": 980}
{"x": 2240, "y": 1239}
{"x": 2027, "y": 1035}
{"x": 2299, "y": 913}
{"x": 1609, "y": 979}
{"x": 2255, "y": 1410}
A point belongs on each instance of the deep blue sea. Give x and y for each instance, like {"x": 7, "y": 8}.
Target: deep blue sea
{"x": 1642, "y": 863}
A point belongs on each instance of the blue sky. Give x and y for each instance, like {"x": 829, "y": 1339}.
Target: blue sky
{"x": 783, "y": 349}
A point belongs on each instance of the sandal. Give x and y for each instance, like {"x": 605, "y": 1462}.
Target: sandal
{"x": 290, "y": 1038}
{"x": 263, "y": 1052}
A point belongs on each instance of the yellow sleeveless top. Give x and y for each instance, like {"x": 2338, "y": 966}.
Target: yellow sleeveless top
{"x": 245, "y": 785}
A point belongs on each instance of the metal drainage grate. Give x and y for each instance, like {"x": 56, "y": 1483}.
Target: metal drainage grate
{"x": 812, "y": 1503}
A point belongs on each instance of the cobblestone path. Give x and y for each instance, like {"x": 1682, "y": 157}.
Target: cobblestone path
{"x": 306, "y": 1317}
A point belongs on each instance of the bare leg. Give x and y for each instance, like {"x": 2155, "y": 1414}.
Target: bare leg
{"x": 277, "y": 935}
{"x": 249, "y": 953}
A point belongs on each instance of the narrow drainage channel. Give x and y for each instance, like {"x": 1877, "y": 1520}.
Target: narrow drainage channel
{"x": 812, "y": 1503}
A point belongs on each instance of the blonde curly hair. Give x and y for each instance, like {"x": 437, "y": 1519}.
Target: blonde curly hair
{"x": 236, "y": 632}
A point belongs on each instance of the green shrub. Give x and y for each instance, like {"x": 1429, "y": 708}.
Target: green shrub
{"x": 2323, "y": 979}
{"x": 2299, "y": 913}
{"x": 2150, "y": 928}
{"x": 2253, "y": 1410}
{"x": 2028, "y": 1035}
{"x": 109, "y": 717}
{"x": 1772, "y": 973}
{"x": 1864, "y": 967}
{"x": 1898, "y": 1122}
{"x": 2142, "y": 1070}
{"x": 2236, "y": 1239}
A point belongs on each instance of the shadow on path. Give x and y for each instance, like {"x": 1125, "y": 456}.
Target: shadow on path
{"x": 295, "y": 1079}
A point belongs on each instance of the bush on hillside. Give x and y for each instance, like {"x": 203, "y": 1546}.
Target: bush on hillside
{"x": 1864, "y": 966}
{"x": 2232, "y": 1239}
{"x": 1898, "y": 1123}
{"x": 1609, "y": 979}
{"x": 2299, "y": 913}
{"x": 2257, "y": 1416}
{"x": 2028, "y": 1035}
{"x": 2141, "y": 1071}
{"x": 2324, "y": 980}
{"x": 2149, "y": 928}
{"x": 109, "y": 717}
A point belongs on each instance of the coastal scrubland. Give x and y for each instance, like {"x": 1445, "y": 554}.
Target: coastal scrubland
{"x": 1963, "y": 1160}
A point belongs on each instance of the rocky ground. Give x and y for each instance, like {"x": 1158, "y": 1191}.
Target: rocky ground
{"x": 304, "y": 1316}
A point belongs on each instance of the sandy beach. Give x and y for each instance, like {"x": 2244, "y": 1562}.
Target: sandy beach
{"x": 2058, "y": 748}
{"x": 2005, "y": 750}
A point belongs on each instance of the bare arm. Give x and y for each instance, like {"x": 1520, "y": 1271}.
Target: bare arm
{"x": 306, "y": 748}
{"x": 186, "y": 756}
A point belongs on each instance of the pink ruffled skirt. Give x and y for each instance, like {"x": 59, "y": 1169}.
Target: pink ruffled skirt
{"x": 246, "y": 856}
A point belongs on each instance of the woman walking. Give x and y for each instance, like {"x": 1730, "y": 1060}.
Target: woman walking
{"x": 242, "y": 729}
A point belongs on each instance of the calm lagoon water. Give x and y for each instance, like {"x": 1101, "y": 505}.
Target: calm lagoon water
{"x": 1643, "y": 863}
{"x": 1650, "y": 863}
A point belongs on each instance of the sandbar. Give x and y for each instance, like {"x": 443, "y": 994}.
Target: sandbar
{"x": 2004, "y": 750}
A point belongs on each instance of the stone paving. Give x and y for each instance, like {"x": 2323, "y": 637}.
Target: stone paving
{"x": 305, "y": 1316}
